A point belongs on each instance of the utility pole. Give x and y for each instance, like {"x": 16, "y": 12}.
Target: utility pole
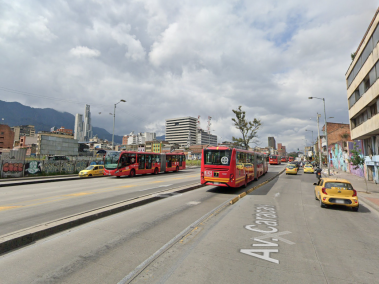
{"x": 319, "y": 141}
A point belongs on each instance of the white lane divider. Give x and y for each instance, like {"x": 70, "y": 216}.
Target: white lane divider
{"x": 165, "y": 185}
{"x": 193, "y": 203}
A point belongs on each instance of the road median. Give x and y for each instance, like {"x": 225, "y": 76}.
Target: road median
{"x": 29, "y": 235}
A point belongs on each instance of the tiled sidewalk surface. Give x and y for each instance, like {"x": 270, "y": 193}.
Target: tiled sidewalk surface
{"x": 371, "y": 197}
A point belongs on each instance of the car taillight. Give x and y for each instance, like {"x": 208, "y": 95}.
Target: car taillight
{"x": 354, "y": 193}
{"x": 231, "y": 177}
{"x": 324, "y": 190}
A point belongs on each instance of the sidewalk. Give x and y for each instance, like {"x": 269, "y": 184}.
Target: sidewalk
{"x": 371, "y": 198}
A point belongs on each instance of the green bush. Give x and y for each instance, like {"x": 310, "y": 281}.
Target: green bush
{"x": 193, "y": 163}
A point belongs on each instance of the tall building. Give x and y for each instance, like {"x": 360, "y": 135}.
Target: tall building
{"x": 181, "y": 131}
{"x": 281, "y": 150}
{"x": 83, "y": 130}
{"x": 87, "y": 124}
{"x": 203, "y": 138}
{"x": 23, "y": 130}
{"x": 363, "y": 97}
{"x": 271, "y": 142}
{"x": 78, "y": 128}
{"x": 6, "y": 137}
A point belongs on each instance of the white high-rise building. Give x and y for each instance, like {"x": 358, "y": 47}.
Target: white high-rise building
{"x": 179, "y": 130}
{"x": 87, "y": 124}
{"x": 202, "y": 138}
{"x": 78, "y": 129}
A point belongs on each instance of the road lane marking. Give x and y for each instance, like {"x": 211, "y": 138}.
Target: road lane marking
{"x": 3, "y": 208}
{"x": 79, "y": 194}
{"x": 193, "y": 203}
{"x": 266, "y": 215}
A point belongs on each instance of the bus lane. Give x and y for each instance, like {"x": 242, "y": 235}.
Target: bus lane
{"x": 276, "y": 234}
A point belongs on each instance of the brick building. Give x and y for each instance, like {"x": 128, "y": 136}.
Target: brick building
{"x": 336, "y": 132}
{"x": 64, "y": 131}
{"x": 6, "y": 137}
{"x": 282, "y": 150}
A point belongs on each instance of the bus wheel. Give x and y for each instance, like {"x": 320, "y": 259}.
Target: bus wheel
{"x": 156, "y": 171}
{"x": 177, "y": 169}
{"x": 132, "y": 173}
{"x": 117, "y": 176}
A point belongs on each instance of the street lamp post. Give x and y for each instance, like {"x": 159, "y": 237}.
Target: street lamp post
{"x": 114, "y": 120}
{"x": 319, "y": 141}
{"x": 312, "y": 141}
{"x": 326, "y": 132}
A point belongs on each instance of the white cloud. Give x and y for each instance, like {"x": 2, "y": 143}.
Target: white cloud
{"x": 83, "y": 51}
{"x": 172, "y": 58}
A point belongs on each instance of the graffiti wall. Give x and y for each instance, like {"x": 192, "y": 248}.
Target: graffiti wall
{"x": 15, "y": 168}
{"x": 33, "y": 168}
{"x": 339, "y": 157}
{"x": 12, "y": 168}
{"x": 360, "y": 170}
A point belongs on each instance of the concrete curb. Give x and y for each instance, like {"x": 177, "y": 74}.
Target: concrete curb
{"x": 371, "y": 204}
{"x": 29, "y": 235}
{"x": 235, "y": 199}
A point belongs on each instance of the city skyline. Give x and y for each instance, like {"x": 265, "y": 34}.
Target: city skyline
{"x": 268, "y": 55}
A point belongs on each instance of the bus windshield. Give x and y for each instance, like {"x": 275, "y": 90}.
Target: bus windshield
{"x": 111, "y": 159}
{"x": 217, "y": 157}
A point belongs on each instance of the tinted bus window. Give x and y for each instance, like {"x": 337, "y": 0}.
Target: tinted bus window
{"x": 127, "y": 160}
{"x": 217, "y": 157}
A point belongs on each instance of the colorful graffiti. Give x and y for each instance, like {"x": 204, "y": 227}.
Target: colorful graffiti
{"x": 338, "y": 157}
{"x": 12, "y": 168}
{"x": 33, "y": 168}
{"x": 360, "y": 170}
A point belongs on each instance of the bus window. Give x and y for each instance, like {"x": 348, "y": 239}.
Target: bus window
{"x": 169, "y": 161}
{"x": 217, "y": 157}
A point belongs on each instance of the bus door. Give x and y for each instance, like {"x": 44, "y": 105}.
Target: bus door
{"x": 180, "y": 160}
{"x": 163, "y": 163}
{"x": 141, "y": 161}
{"x": 255, "y": 166}
{"x": 148, "y": 162}
{"x": 169, "y": 161}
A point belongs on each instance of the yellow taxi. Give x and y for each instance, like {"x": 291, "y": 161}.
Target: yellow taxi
{"x": 308, "y": 168}
{"x": 291, "y": 169}
{"x": 93, "y": 170}
{"x": 336, "y": 192}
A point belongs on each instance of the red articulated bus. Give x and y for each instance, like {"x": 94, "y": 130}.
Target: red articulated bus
{"x": 128, "y": 163}
{"x": 284, "y": 159}
{"x": 230, "y": 167}
{"x": 290, "y": 159}
{"x": 275, "y": 160}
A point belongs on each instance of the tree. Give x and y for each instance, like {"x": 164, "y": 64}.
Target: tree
{"x": 352, "y": 56}
{"x": 358, "y": 160}
{"x": 248, "y": 129}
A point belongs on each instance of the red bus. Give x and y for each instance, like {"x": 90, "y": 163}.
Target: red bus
{"x": 129, "y": 163}
{"x": 230, "y": 167}
{"x": 275, "y": 160}
{"x": 290, "y": 159}
{"x": 284, "y": 159}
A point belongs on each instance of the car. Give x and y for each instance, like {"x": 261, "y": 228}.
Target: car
{"x": 291, "y": 169}
{"x": 93, "y": 170}
{"x": 336, "y": 192}
{"x": 308, "y": 169}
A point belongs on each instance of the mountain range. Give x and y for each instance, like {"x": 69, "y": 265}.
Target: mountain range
{"x": 43, "y": 119}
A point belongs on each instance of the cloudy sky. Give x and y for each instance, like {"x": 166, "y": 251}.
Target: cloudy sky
{"x": 170, "y": 58}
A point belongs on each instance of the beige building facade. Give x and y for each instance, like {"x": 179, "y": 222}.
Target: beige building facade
{"x": 363, "y": 96}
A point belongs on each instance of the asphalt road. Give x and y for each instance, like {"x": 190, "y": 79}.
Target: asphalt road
{"x": 300, "y": 243}
{"x": 27, "y": 205}
{"x": 106, "y": 250}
